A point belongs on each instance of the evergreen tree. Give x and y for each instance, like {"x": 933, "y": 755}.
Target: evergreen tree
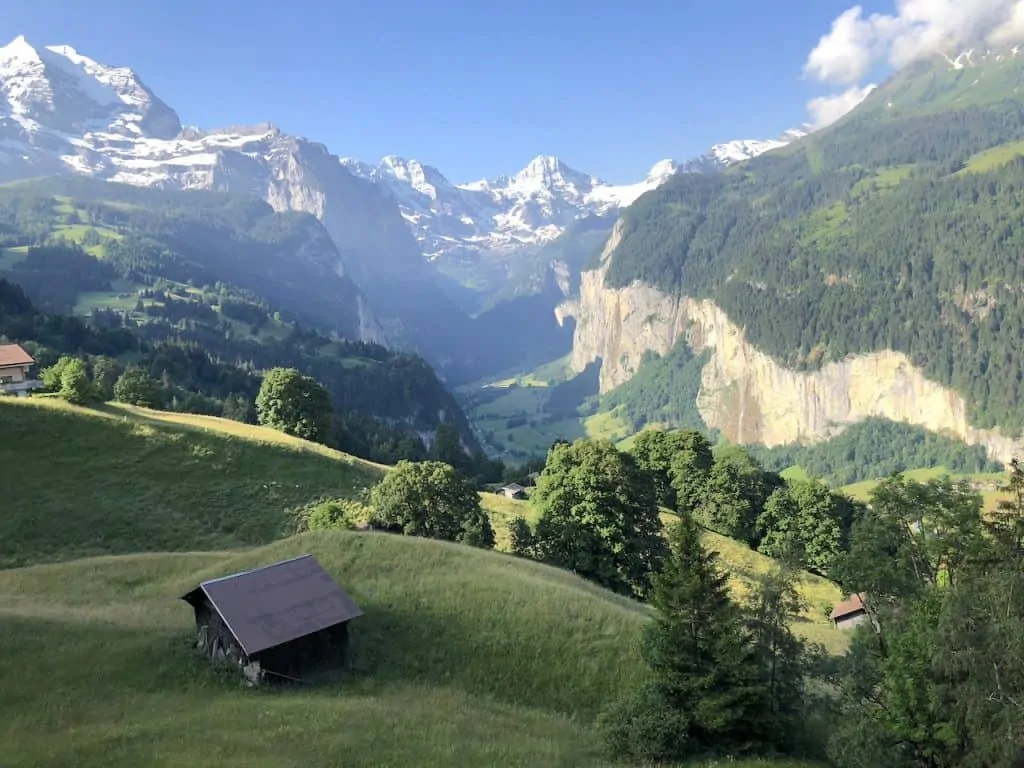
{"x": 772, "y": 607}
{"x": 706, "y": 685}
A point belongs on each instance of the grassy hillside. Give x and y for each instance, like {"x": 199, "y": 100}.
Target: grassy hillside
{"x": 117, "y": 481}
{"x": 127, "y": 480}
{"x": 437, "y": 618}
{"x": 988, "y": 483}
{"x": 464, "y": 657}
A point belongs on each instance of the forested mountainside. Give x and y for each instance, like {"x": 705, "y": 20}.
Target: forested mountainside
{"x": 226, "y": 276}
{"x": 287, "y": 258}
{"x": 899, "y": 228}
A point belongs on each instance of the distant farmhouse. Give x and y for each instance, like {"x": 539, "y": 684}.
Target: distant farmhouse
{"x": 285, "y": 620}
{"x": 15, "y": 364}
{"x": 513, "y": 491}
{"x": 849, "y": 613}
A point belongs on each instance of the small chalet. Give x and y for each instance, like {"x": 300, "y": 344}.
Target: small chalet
{"x": 849, "y": 613}
{"x": 15, "y": 363}
{"x": 286, "y": 620}
{"x": 514, "y": 491}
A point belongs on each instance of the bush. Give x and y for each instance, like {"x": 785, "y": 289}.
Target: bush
{"x": 334, "y": 515}
{"x": 74, "y": 382}
{"x": 640, "y": 728}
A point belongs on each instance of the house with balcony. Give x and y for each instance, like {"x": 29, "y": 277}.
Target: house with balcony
{"x": 15, "y": 364}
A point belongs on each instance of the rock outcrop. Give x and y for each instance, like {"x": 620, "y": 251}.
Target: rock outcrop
{"x": 746, "y": 394}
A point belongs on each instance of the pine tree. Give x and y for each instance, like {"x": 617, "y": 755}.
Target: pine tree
{"x": 772, "y": 606}
{"x": 707, "y": 687}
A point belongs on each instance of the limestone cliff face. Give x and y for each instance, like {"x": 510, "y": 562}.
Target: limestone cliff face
{"x": 745, "y": 393}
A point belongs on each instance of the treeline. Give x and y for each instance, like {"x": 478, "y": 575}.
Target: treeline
{"x": 599, "y": 505}
{"x": 932, "y": 678}
{"x": 874, "y": 449}
{"x": 816, "y": 263}
{"x": 182, "y": 376}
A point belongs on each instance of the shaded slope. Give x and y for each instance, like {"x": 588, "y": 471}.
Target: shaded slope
{"x": 474, "y": 657}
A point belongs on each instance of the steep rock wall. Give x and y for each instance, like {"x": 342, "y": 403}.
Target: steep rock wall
{"x": 746, "y": 394}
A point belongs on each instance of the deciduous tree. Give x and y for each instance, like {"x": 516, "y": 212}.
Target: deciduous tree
{"x": 430, "y": 499}
{"x": 295, "y": 404}
{"x": 598, "y": 516}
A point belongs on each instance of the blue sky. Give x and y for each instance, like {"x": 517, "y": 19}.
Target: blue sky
{"x": 474, "y": 88}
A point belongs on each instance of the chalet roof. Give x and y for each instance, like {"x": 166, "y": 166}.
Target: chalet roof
{"x": 278, "y": 603}
{"x": 513, "y": 487}
{"x": 13, "y": 354}
{"x": 851, "y": 605}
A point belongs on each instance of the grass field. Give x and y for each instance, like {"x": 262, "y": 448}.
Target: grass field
{"x": 120, "y": 685}
{"x": 464, "y": 657}
{"x": 512, "y": 417}
{"x": 988, "y": 483}
{"x": 993, "y": 158}
{"x": 457, "y": 662}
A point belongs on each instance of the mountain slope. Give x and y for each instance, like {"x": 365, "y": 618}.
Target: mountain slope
{"x": 216, "y": 289}
{"x": 868, "y": 270}
{"x": 62, "y": 113}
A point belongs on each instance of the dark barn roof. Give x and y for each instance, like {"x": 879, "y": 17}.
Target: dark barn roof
{"x": 278, "y": 603}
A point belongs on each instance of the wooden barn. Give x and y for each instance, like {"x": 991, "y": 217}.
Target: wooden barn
{"x": 286, "y": 620}
{"x": 849, "y": 613}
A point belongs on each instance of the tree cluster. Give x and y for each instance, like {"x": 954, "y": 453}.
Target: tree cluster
{"x": 430, "y": 499}
{"x": 728, "y": 491}
{"x": 727, "y": 678}
{"x": 936, "y": 678}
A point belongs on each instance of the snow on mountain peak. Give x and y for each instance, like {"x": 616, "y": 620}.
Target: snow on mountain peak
{"x": 57, "y": 88}
{"x": 662, "y": 170}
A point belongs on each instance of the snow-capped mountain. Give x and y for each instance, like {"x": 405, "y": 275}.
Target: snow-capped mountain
{"x": 721, "y": 156}
{"x": 502, "y": 215}
{"x": 529, "y": 208}
{"x": 64, "y": 113}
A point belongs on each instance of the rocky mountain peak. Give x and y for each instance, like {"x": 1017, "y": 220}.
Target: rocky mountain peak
{"x": 57, "y": 88}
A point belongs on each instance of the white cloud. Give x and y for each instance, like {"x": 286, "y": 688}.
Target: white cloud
{"x": 825, "y": 110}
{"x": 857, "y": 42}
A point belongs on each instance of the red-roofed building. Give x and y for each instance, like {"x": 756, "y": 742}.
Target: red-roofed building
{"x": 15, "y": 364}
{"x": 849, "y": 613}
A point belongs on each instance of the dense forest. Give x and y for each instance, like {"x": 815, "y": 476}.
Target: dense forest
{"x": 874, "y": 449}
{"x": 195, "y": 236}
{"x": 663, "y": 390}
{"x": 884, "y": 231}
